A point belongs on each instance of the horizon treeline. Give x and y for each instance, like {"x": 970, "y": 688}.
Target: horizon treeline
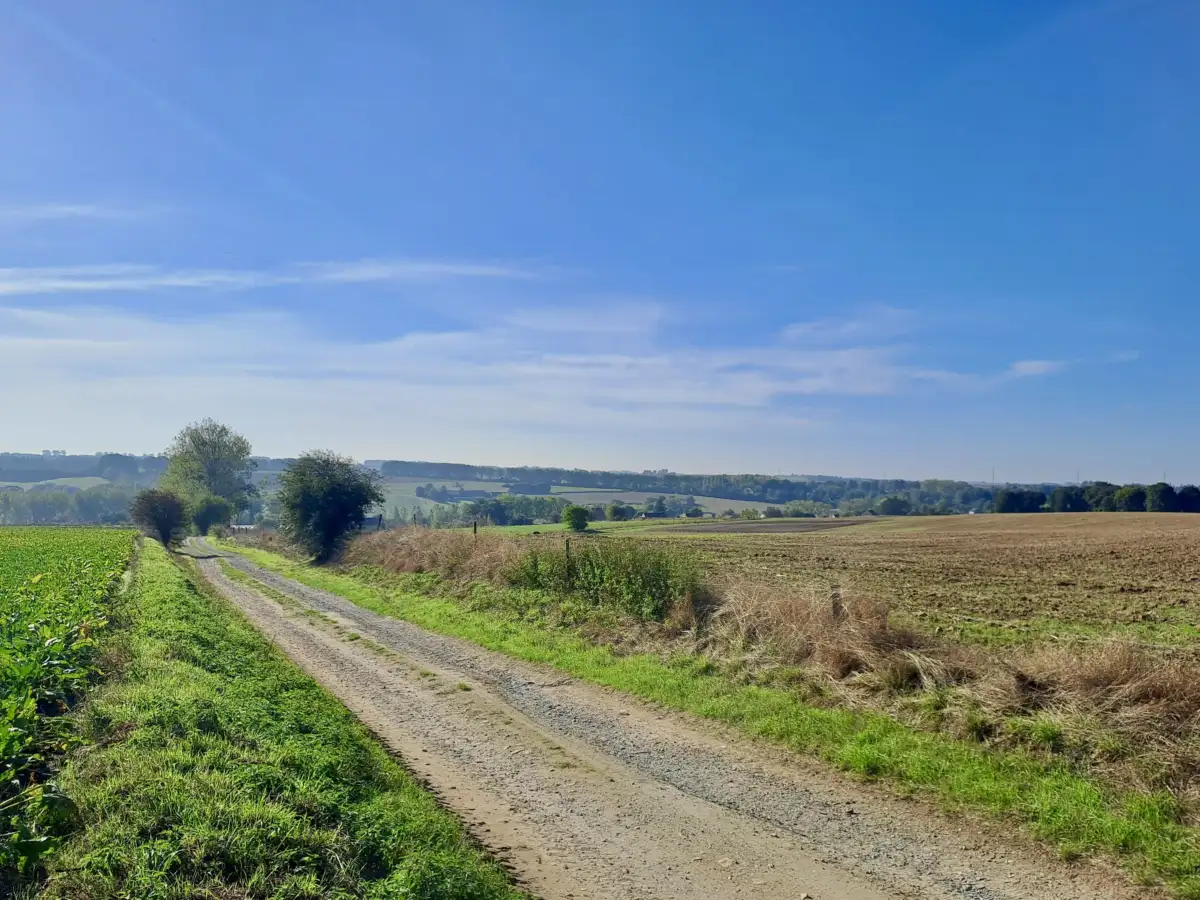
{"x": 1101, "y": 496}
{"x": 48, "y": 503}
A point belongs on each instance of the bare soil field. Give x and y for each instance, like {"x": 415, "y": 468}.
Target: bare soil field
{"x": 767, "y": 526}
{"x": 996, "y": 577}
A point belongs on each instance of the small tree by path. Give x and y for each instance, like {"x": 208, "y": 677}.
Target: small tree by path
{"x": 323, "y": 497}
{"x": 159, "y": 514}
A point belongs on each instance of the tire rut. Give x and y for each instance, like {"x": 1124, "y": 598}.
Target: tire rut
{"x": 586, "y": 793}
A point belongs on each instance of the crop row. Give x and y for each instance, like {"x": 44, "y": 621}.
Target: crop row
{"x": 55, "y": 591}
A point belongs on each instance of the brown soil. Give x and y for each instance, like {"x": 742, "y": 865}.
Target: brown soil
{"x": 766, "y": 526}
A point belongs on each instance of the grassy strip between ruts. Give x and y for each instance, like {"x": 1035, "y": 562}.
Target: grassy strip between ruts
{"x": 1059, "y": 806}
{"x": 216, "y": 768}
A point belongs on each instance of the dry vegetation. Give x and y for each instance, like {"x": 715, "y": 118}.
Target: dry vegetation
{"x": 1066, "y": 635}
{"x": 995, "y": 579}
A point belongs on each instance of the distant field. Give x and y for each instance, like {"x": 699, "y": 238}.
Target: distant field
{"x": 403, "y": 491}
{"x": 993, "y": 578}
{"x": 83, "y": 484}
{"x": 589, "y": 497}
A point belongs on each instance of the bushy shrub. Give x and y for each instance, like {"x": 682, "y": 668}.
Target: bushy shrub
{"x": 638, "y": 578}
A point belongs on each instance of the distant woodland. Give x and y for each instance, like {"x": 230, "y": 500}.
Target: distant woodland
{"x": 57, "y": 488}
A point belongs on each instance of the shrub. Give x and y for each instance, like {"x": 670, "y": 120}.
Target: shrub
{"x": 323, "y": 497}
{"x": 576, "y": 518}
{"x": 894, "y": 506}
{"x": 158, "y": 514}
{"x": 210, "y": 511}
{"x": 637, "y": 577}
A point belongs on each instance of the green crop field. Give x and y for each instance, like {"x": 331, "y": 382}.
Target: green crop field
{"x": 55, "y": 587}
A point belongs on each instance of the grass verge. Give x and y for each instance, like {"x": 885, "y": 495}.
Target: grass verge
{"x": 215, "y": 768}
{"x": 1058, "y": 805}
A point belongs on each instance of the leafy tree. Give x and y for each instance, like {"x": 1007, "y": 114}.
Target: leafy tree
{"x": 695, "y": 513}
{"x": 1101, "y": 496}
{"x": 158, "y": 514}
{"x": 207, "y": 457}
{"x": 210, "y": 510}
{"x": 1131, "y": 498}
{"x": 729, "y": 514}
{"x": 576, "y": 518}
{"x": 773, "y": 512}
{"x": 1161, "y": 497}
{"x": 894, "y": 506}
{"x": 322, "y": 498}
{"x": 618, "y": 512}
{"x": 657, "y": 506}
{"x": 1069, "y": 499}
{"x": 1012, "y": 500}
{"x": 1188, "y": 499}
{"x": 750, "y": 513}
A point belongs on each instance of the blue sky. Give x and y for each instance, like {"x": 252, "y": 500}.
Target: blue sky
{"x": 919, "y": 239}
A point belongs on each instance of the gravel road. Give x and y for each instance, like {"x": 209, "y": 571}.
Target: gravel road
{"x": 587, "y": 793}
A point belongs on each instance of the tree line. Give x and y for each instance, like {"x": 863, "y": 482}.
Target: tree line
{"x": 1100, "y": 496}
{"x": 820, "y": 493}
{"x": 103, "y": 505}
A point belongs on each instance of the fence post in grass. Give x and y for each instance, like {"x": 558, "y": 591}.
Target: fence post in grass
{"x": 475, "y": 528}
{"x": 570, "y": 574}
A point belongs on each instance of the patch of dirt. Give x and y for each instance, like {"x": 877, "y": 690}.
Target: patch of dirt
{"x": 586, "y": 793}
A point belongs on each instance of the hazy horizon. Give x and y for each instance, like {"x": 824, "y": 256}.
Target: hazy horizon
{"x": 795, "y": 473}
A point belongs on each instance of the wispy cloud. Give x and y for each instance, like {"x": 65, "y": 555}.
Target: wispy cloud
{"x": 504, "y": 391}
{"x": 622, "y": 318}
{"x": 1124, "y": 356}
{"x": 875, "y": 323}
{"x": 132, "y": 278}
{"x": 42, "y": 213}
{"x": 1032, "y": 368}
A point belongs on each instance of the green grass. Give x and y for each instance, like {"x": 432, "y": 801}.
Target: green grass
{"x": 215, "y": 768}
{"x": 1058, "y": 805}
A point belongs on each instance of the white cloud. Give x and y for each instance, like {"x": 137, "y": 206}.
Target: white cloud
{"x": 138, "y": 278}
{"x": 1031, "y": 368}
{"x": 872, "y": 324}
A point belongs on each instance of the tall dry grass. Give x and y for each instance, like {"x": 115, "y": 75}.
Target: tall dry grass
{"x": 1112, "y": 706}
{"x": 451, "y": 553}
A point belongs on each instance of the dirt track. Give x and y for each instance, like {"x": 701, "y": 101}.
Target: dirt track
{"x": 586, "y": 793}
